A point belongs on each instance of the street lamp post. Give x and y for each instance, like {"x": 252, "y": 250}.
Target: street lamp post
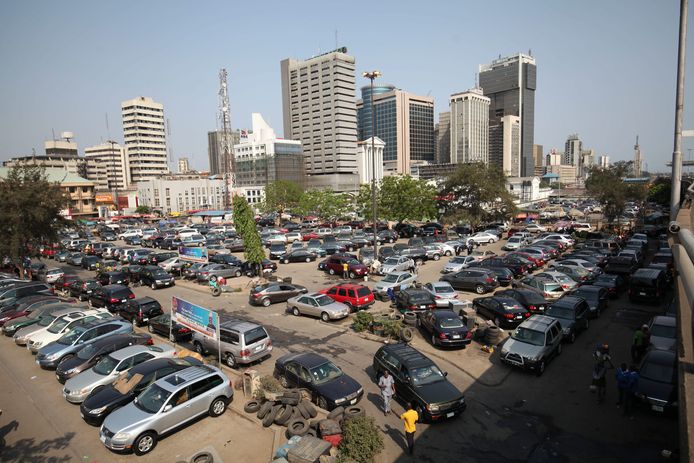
{"x": 371, "y": 76}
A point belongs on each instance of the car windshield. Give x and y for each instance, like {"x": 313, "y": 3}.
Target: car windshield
{"x": 70, "y": 338}
{"x": 58, "y": 325}
{"x": 46, "y": 320}
{"x": 255, "y": 335}
{"x": 105, "y": 366}
{"x": 563, "y": 279}
{"x": 443, "y": 289}
{"x": 457, "y": 260}
{"x": 450, "y": 322}
{"x": 658, "y": 372}
{"x": 391, "y": 261}
{"x": 324, "y": 300}
{"x": 534, "y": 337}
{"x": 87, "y": 351}
{"x": 325, "y": 372}
{"x": 390, "y": 278}
{"x": 552, "y": 287}
{"x": 663, "y": 331}
{"x": 419, "y": 298}
{"x": 159, "y": 274}
{"x": 426, "y": 375}
{"x": 152, "y": 399}
{"x": 363, "y": 291}
{"x": 560, "y": 312}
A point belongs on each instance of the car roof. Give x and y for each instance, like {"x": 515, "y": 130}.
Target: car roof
{"x": 664, "y": 320}
{"x": 185, "y": 376}
{"x": 538, "y": 322}
{"x": 155, "y": 364}
{"x": 408, "y": 355}
{"x": 415, "y": 291}
{"x": 589, "y": 289}
{"x": 144, "y": 300}
{"x": 112, "y": 288}
{"x": 647, "y": 273}
{"x": 129, "y": 351}
{"x": 238, "y": 324}
{"x": 568, "y": 301}
{"x": 661, "y": 357}
{"x": 308, "y": 359}
{"x": 349, "y": 285}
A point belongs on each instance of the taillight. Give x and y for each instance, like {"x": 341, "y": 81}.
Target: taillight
{"x": 443, "y": 336}
{"x": 131, "y": 296}
{"x": 269, "y": 343}
{"x": 527, "y": 314}
{"x": 183, "y": 329}
{"x": 532, "y": 307}
{"x": 139, "y": 314}
{"x": 245, "y": 353}
{"x": 489, "y": 280}
{"x": 414, "y": 307}
{"x": 508, "y": 315}
{"x": 113, "y": 300}
{"x": 150, "y": 342}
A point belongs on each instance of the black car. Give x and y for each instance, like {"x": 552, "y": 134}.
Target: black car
{"x": 103, "y": 401}
{"x": 330, "y": 387}
{"x": 445, "y": 328}
{"x": 479, "y": 280}
{"x": 299, "y": 255}
{"x": 139, "y": 311}
{"x": 158, "y": 257}
{"x": 235, "y": 245}
{"x": 614, "y": 284}
{"x": 156, "y": 277}
{"x": 270, "y": 293}
{"x": 250, "y": 269}
{"x": 658, "y": 383}
{"x": 82, "y": 289}
{"x": 504, "y": 311}
{"x": 415, "y": 300}
{"x": 225, "y": 259}
{"x": 90, "y": 262}
{"x": 531, "y": 300}
{"x": 277, "y": 251}
{"x": 572, "y": 313}
{"x": 385, "y": 252}
{"x": 113, "y": 278}
{"x": 417, "y": 254}
{"x": 108, "y": 235}
{"x": 87, "y": 356}
{"x": 595, "y": 296}
{"x": 134, "y": 240}
{"x": 161, "y": 324}
{"x": 110, "y": 296}
{"x": 170, "y": 243}
{"x": 503, "y": 274}
{"x": 419, "y": 381}
{"x": 334, "y": 247}
{"x": 406, "y": 230}
{"x": 511, "y": 263}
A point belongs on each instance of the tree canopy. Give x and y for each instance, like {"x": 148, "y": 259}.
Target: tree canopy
{"x": 30, "y": 208}
{"x": 399, "y": 198}
{"x": 281, "y": 195}
{"x": 476, "y": 193}
{"x": 323, "y": 203}
{"x": 607, "y": 185}
{"x": 244, "y": 222}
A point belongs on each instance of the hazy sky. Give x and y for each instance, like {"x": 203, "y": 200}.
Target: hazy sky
{"x": 606, "y": 69}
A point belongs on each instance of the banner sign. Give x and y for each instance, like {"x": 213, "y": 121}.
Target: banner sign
{"x": 199, "y": 319}
{"x": 198, "y": 254}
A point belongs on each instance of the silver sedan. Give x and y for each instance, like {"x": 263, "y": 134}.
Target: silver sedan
{"x": 317, "y": 305}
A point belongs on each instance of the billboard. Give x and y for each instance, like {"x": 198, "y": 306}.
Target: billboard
{"x": 198, "y": 254}
{"x": 197, "y": 318}
{"x": 104, "y": 198}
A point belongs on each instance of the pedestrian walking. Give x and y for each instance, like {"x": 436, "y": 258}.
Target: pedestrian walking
{"x": 410, "y": 417}
{"x": 640, "y": 342}
{"x": 603, "y": 362}
{"x": 345, "y": 270}
{"x": 387, "y": 385}
{"x": 470, "y": 247}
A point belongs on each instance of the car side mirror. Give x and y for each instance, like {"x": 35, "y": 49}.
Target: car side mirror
{"x": 167, "y": 408}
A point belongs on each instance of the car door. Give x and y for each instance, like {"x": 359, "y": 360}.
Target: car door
{"x": 427, "y": 320}
{"x": 179, "y": 411}
{"x": 199, "y": 400}
{"x": 403, "y": 384}
{"x": 276, "y": 294}
{"x": 291, "y": 373}
{"x": 341, "y": 295}
{"x": 311, "y": 307}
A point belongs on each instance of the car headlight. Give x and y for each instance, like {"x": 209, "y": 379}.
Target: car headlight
{"x": 51, "y": 357}
{"x": 98, "y": 411}
{"x": 71, "y": 371}
{"x": 462, "y": 400}
{"x": 158, "y": 281}
{"x": 339, "y": 401}
{"x": 36, "y": 344}
{"x": 433, "y": 408}
{"x": 566, "y": 330}
{"x": 121, "y": 436}
{"x": 360, "y": 390}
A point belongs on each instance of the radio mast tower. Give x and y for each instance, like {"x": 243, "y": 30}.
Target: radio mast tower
{"x": 228, "y": 168}
{"x": 637, "y": 159}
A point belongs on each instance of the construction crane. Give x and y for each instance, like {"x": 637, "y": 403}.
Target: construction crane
{"x": 228, "y": 169}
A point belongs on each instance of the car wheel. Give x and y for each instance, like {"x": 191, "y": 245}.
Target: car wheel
{"x": 479, "y": 289}
{"x": 266, "y": 302}
{"x": 172, "y": 337}
{"x": 331, "y": 271}
{"x": 199, "y": 349}
{"x": 295, "y": 311}
{"x": 437, "y": 257}
{"x": 449, "y": 253}
{"x": 308, "y": 259}
{"x": 230, "y": 360}
{"x": 237, "y": 274}
{"x": 285, "y": 261}
{"x": 541, "y": 368}
{"x": 352, "y": 275}
{"x": 325, "y": 317}
{"x": 145, "y": 443}
{"x": 322, "y": 403}
{"x": 66, "y": 358}
{"x": 218, "y": 407}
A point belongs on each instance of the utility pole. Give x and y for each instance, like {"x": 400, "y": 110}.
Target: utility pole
{"x": 371, "y": 76}
{"x": 228, "y": 168}
{"x": 679, "y": 110}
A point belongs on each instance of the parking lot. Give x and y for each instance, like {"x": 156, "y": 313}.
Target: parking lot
{"x": 511, "y": 416}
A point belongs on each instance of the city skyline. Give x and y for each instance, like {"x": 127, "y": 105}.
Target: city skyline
{"x": 621, "y": 81}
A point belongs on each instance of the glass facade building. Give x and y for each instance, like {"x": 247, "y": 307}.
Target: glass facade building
{"x": 364, "y": 108}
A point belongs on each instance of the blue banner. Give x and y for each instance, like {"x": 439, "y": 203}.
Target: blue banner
{"x": 197, "y": 318}
{"x": 198, "y": 254}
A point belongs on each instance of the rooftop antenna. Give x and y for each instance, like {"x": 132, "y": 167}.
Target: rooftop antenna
{"x": 108, "y": 130}
{"x": 53, "y": 131}
{"x": 335, "y": 39}
{"x": 168, "y": 135}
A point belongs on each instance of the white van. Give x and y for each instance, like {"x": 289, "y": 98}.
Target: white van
{"x": 183, "y": 232}
{"x": 582, "y": 226}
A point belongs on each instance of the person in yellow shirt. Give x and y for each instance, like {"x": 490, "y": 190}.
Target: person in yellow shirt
{"x": 410, "y": 417}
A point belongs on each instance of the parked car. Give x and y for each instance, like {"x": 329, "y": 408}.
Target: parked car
{"x": 53, "y": 318}
{"x": 663, "y": 332}
{"x": 334, "y": 265}
{"x": 115, "y": 277}
{"x": 578, "y": 274}
{"x": 110, "y": 296}
{"x": 273, "y": 292}
{"x": 595, "y": 296}
{"x": 165, "y": 405}
{"x": 445, "y": 328}
{"x": 658, "y": 381}
{"x": 647, "y": 284}
{"x": 613, "y": 283}
{"x": 241, "y": 342}
{"x": 533, "y": 344}
{"x": 397, "y": 281}
{"x": 299, "y": 255}
{"x": 566, "y": 282}
{"x": 572, "y": 313}
{"x": 139, "y": 311}
{"x": 161, "y": 324}
{"x": 61, "y": 326}
{"x": 19, "y": 319}
{"x": 472, "y": 279}
{"x": 98, "y": 405}
{"x": 504, "y": 311}
{"x": 27, "y": 306}
{"x": 174, "y": 264}
{"x": 107, "y": 369}
{"x": 328, "y": 385}
{"x": 397, "y": 264}
{"x": 82, "y": 289}
{"x": 419, "y": 381}
{"x": 533, "y": 301}
{"x": 317, "y": 305}
{"x": 90, "y": 353}
{"x": 156, "y": 258}
{"x": 484, "y": 237}
{"x": 24, "y": 288}
{"x": 442, "y": 292}
{"x": 156, "y": 277}
{"x": 414, "y": 300}
{"x": 51, "y": 275}
{"x": 458, "y": 263}
{"x": 355, "y": 296}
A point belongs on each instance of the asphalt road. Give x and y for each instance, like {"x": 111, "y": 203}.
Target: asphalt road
{"x": 511, "y": 415}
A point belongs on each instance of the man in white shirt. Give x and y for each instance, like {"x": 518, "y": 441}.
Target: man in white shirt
{"x": 387, "y": 385}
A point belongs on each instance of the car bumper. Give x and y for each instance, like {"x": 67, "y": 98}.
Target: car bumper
{"x": 93, "y": 420}
{"x": 255, "y": 356}
{"x": 47, "y": 364}
{"x": 454, "y": 342}
{"x": 112, "y": 445}
{"x": 348, "y": 401}
{"x": 74, "y": 397}
{"x": 523, "y": 363}
{"x": 445, "y": 414}
{"x": 33, "y": 348}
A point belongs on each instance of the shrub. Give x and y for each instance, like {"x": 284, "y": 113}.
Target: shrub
{"x": 392, "y": 328}
{"x": 361, "y": 440}
{"x": 267, "y": 384}
{"x": 362, "y": 320}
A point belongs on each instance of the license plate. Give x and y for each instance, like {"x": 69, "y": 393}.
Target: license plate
{"x": 167, "y": 283}
{"x": 642, "y": 293}
{"x": 657, "y": 408}
{"x": 422, "y": 307}
{"x": 119, "y": 282}
{"x": 450, "y": 415}
{"x": 518, "y": 317}
{"x": 123, "y": 300}
{"x": 258, "y": 349}
{"x": 456, "y": 336}
{"x": 144, "y": 319}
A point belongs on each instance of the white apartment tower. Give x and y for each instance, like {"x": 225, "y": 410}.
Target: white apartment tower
{"x": 469, "y": 127}
{"x": 107, "y": 166}
{"x": 319, "y": 109}
{"x": 144, "y": 132}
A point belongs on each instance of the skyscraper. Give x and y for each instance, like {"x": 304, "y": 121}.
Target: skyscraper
{"x": 505, "y": 145}
{"x": 538, "y": 157}
{"x": 183, "y": 165}
{"x": 637, "y": 159}
{"x": 364, "y": 108}
{"x": 469, "y": 127}
{"x": 510, "y": 84}
{"x": 145, "y": 138}
{"x": 319, "y": 109}
{"x": 214, "y": 149}
{"x": 443, "y": 138}
{"x": 572, "y": 150}
{"x": 106, "y": 166}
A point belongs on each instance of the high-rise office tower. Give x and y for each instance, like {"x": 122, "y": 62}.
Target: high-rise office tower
{"x": 587, "y": 161}
{"x": 469, "y": 127}
{"x": 505, "y": 145}
{"x": 572, "y": 150}
{"x": 106, "y": 166}
{"x": 538, "y": 157}
{"x": 510, "y": 84}
{"x": 183, "y": 165}
{"x": 144, "y": 133}
{"x": 604, "y": 161}
{"x": 319, "y": 109}
{"x": 443, "y": 139}
{"x": 364, "y": 108}
{"x": 214, "y": 149}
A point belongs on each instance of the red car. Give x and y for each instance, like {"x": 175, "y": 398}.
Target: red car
{"x": 539, "y": 263}
{"x": 63, "y": 283}
{"x": 355, "y": 269}
{"x": 310, "y": 235}
{"x": 357, "y": 297}
{"x": 49, "y": 250}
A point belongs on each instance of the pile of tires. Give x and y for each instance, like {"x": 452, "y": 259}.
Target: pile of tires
{"x": 290, "y": 410}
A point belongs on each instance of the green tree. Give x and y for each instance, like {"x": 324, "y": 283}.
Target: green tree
{"x": 363, "y": 201}
{"x": 406, "y": 198}
{"x": 244, "y": 222}
{"x": 325, "y": 203}
{"x": 30, "y": 208}
{"x": 606, "y": 184}
{"x": 476, "y": 193}
{"x": 281, "y": 195}
{"x": 143, "y": 210}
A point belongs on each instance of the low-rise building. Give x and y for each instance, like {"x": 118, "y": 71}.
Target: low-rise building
{"x": 181, "y": 193}
{"x": 527, "y": 189}
{"x": 365, "y": 159}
